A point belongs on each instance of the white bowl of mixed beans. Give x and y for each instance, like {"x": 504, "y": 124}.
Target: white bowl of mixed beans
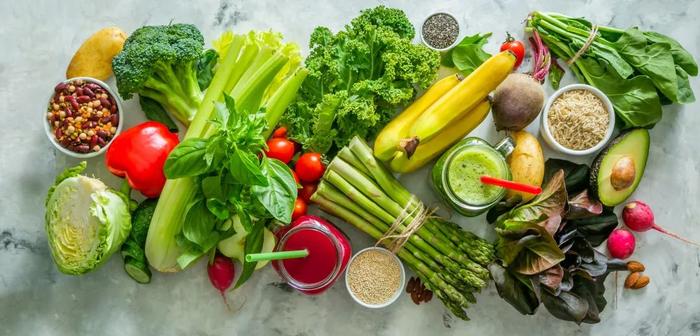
{"x": 82, "y": 117}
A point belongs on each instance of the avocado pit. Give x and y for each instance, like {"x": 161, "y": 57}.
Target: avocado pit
{"x": 623, "y": 173}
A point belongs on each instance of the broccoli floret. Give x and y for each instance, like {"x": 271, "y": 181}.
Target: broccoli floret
{"x": 159, "y": 62}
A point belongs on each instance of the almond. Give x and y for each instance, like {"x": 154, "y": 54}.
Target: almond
{"x": 635, "y": 266}
{"x": 632, "y": 279}
{"x": 642, "y": 282}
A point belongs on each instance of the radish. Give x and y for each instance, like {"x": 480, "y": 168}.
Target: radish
{"x": 621, "y": 243}
{"x": 638, "y": 216}
{"x": 221, "y": 273}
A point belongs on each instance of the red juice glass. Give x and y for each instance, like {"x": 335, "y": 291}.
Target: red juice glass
{"x": 329, "y": 253}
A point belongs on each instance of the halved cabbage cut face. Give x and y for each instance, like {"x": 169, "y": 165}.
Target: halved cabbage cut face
{"x": 86, "y": 222}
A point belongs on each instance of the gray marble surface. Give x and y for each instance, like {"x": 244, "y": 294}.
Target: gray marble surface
{"x": 38, "y": 39}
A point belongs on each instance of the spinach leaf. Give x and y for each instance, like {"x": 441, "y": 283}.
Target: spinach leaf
{"x": 653, "y": 60}
{"x": 279, "y": 195}
{"x": 681, "y": 57}
{"x": 205, "y": 68}
{"x": 635, "y": 99}
{"x": 556, "y": 72}
{"x": 513, "y": 289}
{"x": 154, "y": 111}
{"x": 253, "y": 244}
{"x": 469, "y": 53}
{"x": 685, "y": 92}
{"x": 187, "y": 159}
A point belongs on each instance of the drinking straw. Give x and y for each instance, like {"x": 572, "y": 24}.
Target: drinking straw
{"x": 530, "y": 189}
{"x": 276, "y": 255}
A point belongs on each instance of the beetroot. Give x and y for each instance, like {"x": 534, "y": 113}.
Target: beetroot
{"x": 621, "y": 243}
{"x": 221, "y": 273}
{"x": 638, "y": 216}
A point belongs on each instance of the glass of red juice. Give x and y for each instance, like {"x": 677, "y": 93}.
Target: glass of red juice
{"x": 329, "y": 253}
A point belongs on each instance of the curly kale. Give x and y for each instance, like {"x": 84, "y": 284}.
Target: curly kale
{"x": 160, "y": 62}
{"x": 358, "y": 78}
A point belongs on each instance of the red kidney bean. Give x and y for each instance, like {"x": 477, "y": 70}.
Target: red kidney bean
{"x": 59, "y": 133}
{"x": 60, "y": 87}
{"x": 93, "y": 86}
{"x": 82, "y": 148}
{"x": 113, "y": 108}
{"x": 106, "y": 120}
{"x": 79, "y": 91}
{"x": 89, "y": 92}
{"x": 83, "y": 99}
{"x": 101, "y": 142}
{"x": 105, "y": 103}
{"x": 102, "y": 134}
{"x": 115, "y": 120}
{"x": 93, "y": 141}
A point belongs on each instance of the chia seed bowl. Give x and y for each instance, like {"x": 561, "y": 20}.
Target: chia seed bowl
{"x": 440, "y": 31}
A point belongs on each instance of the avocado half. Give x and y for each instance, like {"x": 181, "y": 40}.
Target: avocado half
{"x": 617, "y": 170}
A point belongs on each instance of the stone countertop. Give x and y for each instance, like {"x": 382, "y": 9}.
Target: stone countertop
{"x": 38, "y": 39}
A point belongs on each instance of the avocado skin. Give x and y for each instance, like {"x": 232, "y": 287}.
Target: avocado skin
{"x": 595, "y": 167}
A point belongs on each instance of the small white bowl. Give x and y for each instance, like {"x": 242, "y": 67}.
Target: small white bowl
{"x": 398, "y": 290}
{"x": 459, "y": 31}
{"x": 547, "y": 134}
{"x": 50, "y": 132}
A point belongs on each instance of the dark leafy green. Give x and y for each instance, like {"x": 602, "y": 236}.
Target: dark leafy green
{"x": 516, "y": 289}
{"x": 253, "y": 244}
{"x": 154, "y": 111}
{"x": 576, "y": 175}
{"x": 556, "y": 72}
{"x": 468, "y": 54}
{"x": 205, "y": 68}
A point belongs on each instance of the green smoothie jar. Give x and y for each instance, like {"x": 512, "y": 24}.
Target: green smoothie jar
{"x": 456, "y": 175}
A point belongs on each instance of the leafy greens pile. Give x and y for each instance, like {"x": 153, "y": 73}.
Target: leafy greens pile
{"x": 546, "y": 254}
{"x": 638, "y": 70}
{"x": 357, "y": 78}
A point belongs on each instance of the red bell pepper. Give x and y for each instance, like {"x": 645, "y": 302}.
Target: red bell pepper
{"x": 139, "y": 153}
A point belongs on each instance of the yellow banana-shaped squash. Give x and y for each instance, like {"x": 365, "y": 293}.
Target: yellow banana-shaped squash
{"x": 465, "y": 96}
{"x": 386, "y": 143}
{"x": 447, "y": 137}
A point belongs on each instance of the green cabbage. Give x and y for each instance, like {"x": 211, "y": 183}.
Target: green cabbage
{"x": 86, "y": 222}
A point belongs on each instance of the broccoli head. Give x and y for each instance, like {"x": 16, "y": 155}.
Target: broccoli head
{"x": 159, "y": 62}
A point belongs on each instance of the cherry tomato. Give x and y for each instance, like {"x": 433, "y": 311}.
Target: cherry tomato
{"x": 299, "y": 208}
{"x": 307, "y": 189}
{"x": 280, "y": 132}
{"x": 516, "y": 47}
{"x": 280, "y": 149}
{"x": 309, "y": 167}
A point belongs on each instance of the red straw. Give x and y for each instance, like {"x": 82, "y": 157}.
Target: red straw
{"x": 530, "y": 189}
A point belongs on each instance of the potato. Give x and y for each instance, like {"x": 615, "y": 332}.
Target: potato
{"x": 94, "y": 57}
{"x": 526, "y": 164}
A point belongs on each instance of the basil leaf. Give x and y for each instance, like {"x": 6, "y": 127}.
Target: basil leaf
{"x": 253, "y": 244}
{"x": 187, "y": 159}
{"x": 205, "y": 68}
{"x": 278, "y": 197}
{"x": 154, "y": 111}
{"x": 218, "y": 208}
{"x": 244, "y": 168}
{"x": 212, "y": 187}
{"x": 469, "y": 53}
{"x": 199, "y": 225}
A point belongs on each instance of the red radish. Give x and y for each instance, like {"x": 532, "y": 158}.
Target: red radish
{"x": 621, "y": 243}
{"x": 221, "y": 273}
{"x": 638, "y": 216}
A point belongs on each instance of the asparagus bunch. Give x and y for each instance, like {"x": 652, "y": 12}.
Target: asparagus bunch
{"x": 450, "y": 262}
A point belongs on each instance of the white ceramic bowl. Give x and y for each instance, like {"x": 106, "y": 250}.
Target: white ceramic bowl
{"x": 459, "y": 31}
{"x": 547, "y": 134}
{"x": 398, "y": 290}
{"x": 50, "y": 133}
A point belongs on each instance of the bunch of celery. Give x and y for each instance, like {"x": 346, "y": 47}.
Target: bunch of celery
{"x": 450, "y": 262}
{"x": 260, "y": 72}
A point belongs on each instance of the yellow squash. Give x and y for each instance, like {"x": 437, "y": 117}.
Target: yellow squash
{"x": 465, "y": 96}
{"x": 386, "y": 143}
{"x": 526, "y": 164}
{"x": 447, "y": 137}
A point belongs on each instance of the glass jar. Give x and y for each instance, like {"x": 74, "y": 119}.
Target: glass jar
{"x": 456, "y": 175}
{"x": 329, "y": 253}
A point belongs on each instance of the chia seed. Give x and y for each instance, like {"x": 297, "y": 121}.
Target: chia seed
{"x": 440, "y": 30}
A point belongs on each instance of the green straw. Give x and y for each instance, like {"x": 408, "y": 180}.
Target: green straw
{"x": 276, "y": 255}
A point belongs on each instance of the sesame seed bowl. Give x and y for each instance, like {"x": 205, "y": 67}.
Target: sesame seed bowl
{"x": 82, "y": 117}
